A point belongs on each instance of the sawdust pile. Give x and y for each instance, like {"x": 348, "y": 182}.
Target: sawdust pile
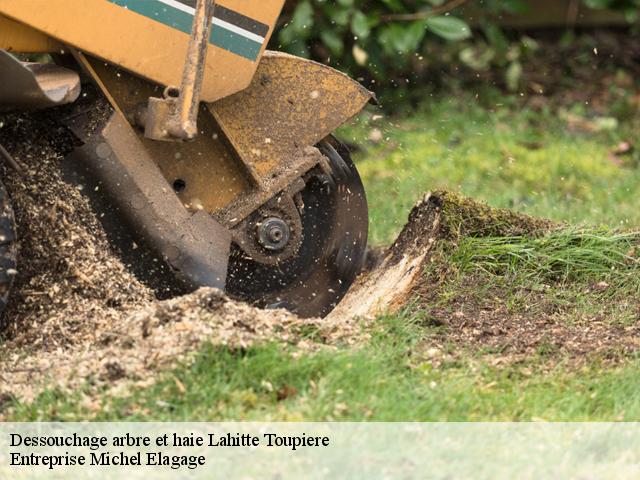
{"x": 137, "y": 345}
{"x": 77, "y": 314}
{"x": 68, "y": 282}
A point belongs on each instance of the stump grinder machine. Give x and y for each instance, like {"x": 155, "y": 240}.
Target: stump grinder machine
{"x": 217, "y": 154}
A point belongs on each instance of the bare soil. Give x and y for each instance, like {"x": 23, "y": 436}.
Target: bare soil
{"x": 487, "y": 323}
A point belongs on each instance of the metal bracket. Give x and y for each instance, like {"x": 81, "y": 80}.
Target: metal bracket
{"x": 174, "y": 117}
{"x": 195, "y": 245}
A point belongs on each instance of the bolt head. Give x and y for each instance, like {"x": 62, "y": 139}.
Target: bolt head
{"x": 273, "y": 234}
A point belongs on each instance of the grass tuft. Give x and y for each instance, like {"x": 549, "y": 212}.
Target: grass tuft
{"x": 567, "y": 255}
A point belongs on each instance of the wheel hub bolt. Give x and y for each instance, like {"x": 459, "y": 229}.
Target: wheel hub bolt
{"x": 273, "y": 234}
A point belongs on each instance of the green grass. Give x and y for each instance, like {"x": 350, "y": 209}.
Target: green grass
{"x": 492, "y": 150}
{"x": 488, "y": 149}
{"x": 567, "y": 255}
{"x": 583, "y": 272}
{"x": 388, "y": 380}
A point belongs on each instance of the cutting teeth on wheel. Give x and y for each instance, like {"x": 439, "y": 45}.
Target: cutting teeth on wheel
{"x": 335, "y": 226}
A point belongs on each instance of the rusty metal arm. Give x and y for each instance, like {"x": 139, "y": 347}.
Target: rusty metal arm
{"x": 175, "y": 116}
{"x": 194, "y": 244}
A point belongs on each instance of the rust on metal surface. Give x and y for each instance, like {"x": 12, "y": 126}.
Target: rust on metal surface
{"x": 194, "y": 244}
{"x": 257, "y": 143}
{"x": 249, "y": 235}
{"x": 291, "y": 104}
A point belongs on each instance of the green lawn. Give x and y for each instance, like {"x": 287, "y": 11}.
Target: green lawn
{"x": 506, "y": 155}
{"x": 499, "y": 153}
{"x": 383, "y": 382}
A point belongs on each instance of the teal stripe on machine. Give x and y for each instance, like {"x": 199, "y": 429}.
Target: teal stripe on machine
{"x": 174, "y": 18}
{"x": 234, "y": 43}
{"x": 159, "y": 12}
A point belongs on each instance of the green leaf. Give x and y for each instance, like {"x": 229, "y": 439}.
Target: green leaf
{"x": 360, "y": 25}
{"x": 450, "y": 28}
{"x": 476, "y": 58}
{"x": 341, "y": 16}
{"x": 515, "y": 7}
{"x": 631, "y": 15}
{"x": 598, "y": 4}
{"x": 496, "y": 38}
{"x": 302, "y": 19}
{"x": 513, "y": 76}
{"x": 394, "y": 5}
{"x": 332, "y": 41}
{"x": 396, "y": 38}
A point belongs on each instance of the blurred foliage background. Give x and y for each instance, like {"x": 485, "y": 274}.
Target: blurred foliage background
{"x": 394, "y": 44}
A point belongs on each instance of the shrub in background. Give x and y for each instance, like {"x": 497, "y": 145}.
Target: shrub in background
{"x": 389, "y": 42}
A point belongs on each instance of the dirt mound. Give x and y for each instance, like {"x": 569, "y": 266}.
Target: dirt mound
{"x": 494, "y": 313}
{"x": 439, "y": 218}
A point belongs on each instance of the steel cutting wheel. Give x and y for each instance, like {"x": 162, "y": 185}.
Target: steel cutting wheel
{"x": 329, "y": 230}
{"x": 334, "y": 238}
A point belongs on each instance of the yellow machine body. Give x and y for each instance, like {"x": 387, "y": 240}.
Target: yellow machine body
{"x": 146, "y": 37}
{"x": 263, "y": 202}
{"x": 268, "y": 106}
